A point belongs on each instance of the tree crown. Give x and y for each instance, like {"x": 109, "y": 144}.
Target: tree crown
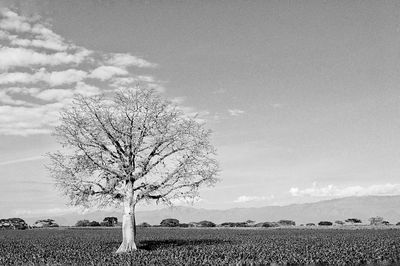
{"x": 136, "y": 141}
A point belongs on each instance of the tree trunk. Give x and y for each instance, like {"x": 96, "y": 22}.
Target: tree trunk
{"x": 128, "y": 225}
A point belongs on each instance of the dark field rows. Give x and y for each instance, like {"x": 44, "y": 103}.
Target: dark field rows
{"x": 159, "y": 246}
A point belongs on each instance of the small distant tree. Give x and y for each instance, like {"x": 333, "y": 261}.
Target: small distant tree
{"x": 82, "y": 223}
{"x": 144, "y": 224}
{"x": 184, "y": 225}
{"x": 206, "y": 224}
{"x": 270, "y": 224}
{"x": 45, "y": 223}
{"x": 339, "y": 222}
{"x": 353, "y": 221}
{"x": 398, "y": 223}
{"x": 94, "y": 223}
{"x": 385, "y": 222}
{"x": 325, "y": 223}
{"x": 287, "y": 222}
{"x": 310, "y": 224}
{"x": 250, "y": 223}
{"x": 375, "y": 220}
{"x": 228, "y": 224}
{"x": 240, "y": 224}
{"x": 13, "y": 223}
{"x": 169, "y": 222}
{"x": 111, "y": 221}
{"x": 129, "y": 147}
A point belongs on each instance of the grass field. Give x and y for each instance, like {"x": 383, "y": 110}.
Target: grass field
{"x": 163, "y": 246}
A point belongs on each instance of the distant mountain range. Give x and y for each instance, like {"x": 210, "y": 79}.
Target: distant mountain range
{"x": 329, "y": 210}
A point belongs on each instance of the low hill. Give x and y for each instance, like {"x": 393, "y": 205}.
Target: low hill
{"x": 330, "y": 210}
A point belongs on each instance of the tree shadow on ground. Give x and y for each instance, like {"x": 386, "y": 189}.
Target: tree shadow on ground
{"x": 169, "y": 243}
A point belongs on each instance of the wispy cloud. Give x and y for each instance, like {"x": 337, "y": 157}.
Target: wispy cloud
{"x": 40, "y": 35}
{"x": 56, "y": 45}
{"x": 23, "y": 120}
{"x": 244, "y": 198}
{"x": 235, "y": 112}
{"x": 7, "y": 99}
{"x": 22, "y": 57}
{"x": 106, "y": 72}
{"x": 42, "y": 72}
{"x": 334, "y": 191}
{"x": 55, "y": 78}
{"x": 26, "y": 159}
{"x": 13, "y": 22}
{"x": 125, "y": 60}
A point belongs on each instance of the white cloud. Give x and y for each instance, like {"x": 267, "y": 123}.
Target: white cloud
{"x": 62, "y": 94}
{"x": 22, "y": 57}
{"x": 22, "y": 120}
{"x": 86, "y": 90}
{"x": 334, "y": 191}
{"x": 39, "y": 119}
{"x": 12, "y": 21}
{"x": 55, "y": 78}
{"x": 47, "y": 44}
{"x": 5, "y": 98}
{"x": 23, "y": 90}
{"x": 55, "y": 94}
{"x": 64, "y": 77}
{"x": 243, "y": 199}
{"x": 45, "y": 33}
{"x": 107, "y": 72}
{"x": 235, "y": 112}
{"x": 125, "y": 60}
{"x": 40, "y": 72}
{"x": 40, "y": 35}
{"x": 123, "y": 81}
{"x": 7, "y": 95}
{"x": 146, "y": 78}
{"x": 3, "y": 35}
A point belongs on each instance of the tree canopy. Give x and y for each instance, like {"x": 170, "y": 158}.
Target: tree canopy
{"x": 134, "y": 137}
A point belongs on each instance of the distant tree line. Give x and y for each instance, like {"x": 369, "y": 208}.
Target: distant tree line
{"x": 18, "y": 223}
{"x": 172, "y": 222}
{"x": 107, "y": 222}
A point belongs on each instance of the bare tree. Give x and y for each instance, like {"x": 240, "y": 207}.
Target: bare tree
{"x": 131, "y": 147}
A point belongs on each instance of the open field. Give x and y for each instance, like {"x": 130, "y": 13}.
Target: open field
{"x": 160, "y": 246}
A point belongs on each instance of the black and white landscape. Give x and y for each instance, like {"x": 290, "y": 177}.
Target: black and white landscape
{"x": 137, "y": 132}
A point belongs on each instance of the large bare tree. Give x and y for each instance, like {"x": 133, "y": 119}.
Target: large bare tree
{"x": 130, "y": 147}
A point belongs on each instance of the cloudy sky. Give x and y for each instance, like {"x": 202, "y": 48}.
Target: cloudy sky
{"x": 303, "y": 96}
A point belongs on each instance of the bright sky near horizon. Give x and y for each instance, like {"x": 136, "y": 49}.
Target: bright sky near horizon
{"x": 303, "y": 96}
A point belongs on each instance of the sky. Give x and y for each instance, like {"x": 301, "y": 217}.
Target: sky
{"x": 303, "y": 97}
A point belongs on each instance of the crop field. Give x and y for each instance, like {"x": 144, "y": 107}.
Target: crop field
{"x": 163, "y": 246}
